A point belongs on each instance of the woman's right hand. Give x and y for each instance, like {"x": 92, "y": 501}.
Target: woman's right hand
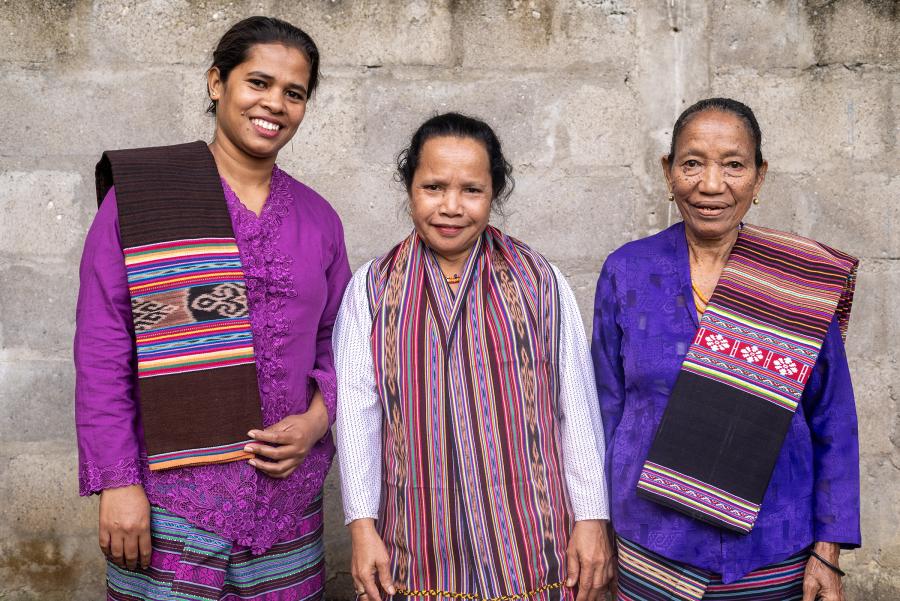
{"x": 125, "y": 526}
{"x": 369, "y": 566}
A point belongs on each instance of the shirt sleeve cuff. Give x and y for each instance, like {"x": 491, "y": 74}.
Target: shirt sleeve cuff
{"x": 93, "y": 479}
{"x": 590, "y": 509}
{"x": 327, "y": 384}
{"x": 600, "y": 515}
{"x": 846, "y": 540}
{"x": 362, "y": 515}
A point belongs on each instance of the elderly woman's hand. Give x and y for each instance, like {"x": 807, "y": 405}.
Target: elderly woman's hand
{"x": 589, "y": 560}
{"x": 289, "y": 441}
{"x": 820, "y": 581}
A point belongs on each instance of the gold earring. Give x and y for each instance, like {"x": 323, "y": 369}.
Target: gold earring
{"x": 671, "y": 197}
{"x": 756, "y": 200}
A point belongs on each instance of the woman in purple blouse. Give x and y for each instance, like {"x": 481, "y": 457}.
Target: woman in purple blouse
{"x": 249, "y": 529}
{"x": 726, "y": 398}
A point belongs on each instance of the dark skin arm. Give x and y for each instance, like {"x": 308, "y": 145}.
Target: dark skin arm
{"x": 369, "y": 564}
{"x": 819, "y": 581}
{"x": 125, "y": 526}
{"x": 589, "y": 560}
{"x": 281, "y": 448}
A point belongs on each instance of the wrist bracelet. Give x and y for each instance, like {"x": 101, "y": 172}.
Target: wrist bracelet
{"x": 828, "y": 564}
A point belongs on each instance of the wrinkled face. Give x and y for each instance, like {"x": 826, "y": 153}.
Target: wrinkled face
{"x": 450, "y": 195}
{"x": 263, "y": 101}
{"x": 713, "y": 174}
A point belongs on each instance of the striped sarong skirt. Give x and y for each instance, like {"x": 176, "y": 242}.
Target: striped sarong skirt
{"x": 647, "y": 576}
{"x": 190, "y": 563}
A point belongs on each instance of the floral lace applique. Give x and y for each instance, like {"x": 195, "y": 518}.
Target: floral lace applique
{"x": 269, "y": 283}
{"x": 93, "y": 479}
{"x": 327, "y": 383}
{"x": 234, "y": 499}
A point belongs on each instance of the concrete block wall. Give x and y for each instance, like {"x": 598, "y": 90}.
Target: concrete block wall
{"x": 583, "y": 94}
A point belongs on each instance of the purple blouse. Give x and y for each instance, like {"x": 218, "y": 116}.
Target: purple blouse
{"x": 296, "y": 269}
{"x": 644, "y": 322}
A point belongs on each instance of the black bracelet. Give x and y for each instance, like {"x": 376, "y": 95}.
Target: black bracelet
{"x": 828, "y": 564}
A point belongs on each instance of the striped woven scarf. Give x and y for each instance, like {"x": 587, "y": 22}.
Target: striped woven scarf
{"x": 195, "y": 362}
{"x": 744, "y": 374}
{"x": 474, "y": 499}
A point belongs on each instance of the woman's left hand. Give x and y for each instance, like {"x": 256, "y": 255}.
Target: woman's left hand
{"x": 589, "y": 560}
{"x": 289, "y": 440}
{"x": 820, "y": 581}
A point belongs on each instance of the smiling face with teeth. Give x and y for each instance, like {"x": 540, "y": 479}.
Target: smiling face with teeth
{"x": 713, "y": 174}
{"x": 263, "y": 101}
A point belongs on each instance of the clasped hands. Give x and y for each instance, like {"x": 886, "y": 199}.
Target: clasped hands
{"x": 124, "y": 533}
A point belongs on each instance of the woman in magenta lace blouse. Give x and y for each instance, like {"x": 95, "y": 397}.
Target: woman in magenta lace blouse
{"x": 194, "y": 530}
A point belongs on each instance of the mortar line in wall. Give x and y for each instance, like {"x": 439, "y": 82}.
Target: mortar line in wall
{"x": 40, "y": 359}
{"x": 710, "y": 68}
{"x": 456, "y": 35}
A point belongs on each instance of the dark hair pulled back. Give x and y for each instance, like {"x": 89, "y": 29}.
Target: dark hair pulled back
{"x": 725, "y": 105}
{"x": 459, "y": 126}
{"x": 234, "y": 46}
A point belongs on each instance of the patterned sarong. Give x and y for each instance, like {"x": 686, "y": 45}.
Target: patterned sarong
{"x": 189, "y": 563}
{"x": 647, "y": 576}
{"x": 744, "y": 374}
{"x": 196, "y": 369}
{"x": 474, "y": 499}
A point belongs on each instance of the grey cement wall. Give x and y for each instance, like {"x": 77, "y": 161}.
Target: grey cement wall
{"x": 582, "y": 92}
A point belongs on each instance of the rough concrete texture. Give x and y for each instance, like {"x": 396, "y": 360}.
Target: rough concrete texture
{"x": 583, "y": 94}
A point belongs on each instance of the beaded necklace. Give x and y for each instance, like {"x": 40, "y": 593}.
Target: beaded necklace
{"x": 700, "y": 296}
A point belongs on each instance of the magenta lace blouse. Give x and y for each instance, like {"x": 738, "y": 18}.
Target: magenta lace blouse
{"x": 296, "y": 269}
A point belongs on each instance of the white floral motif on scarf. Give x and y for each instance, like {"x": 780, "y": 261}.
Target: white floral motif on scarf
{"x": 752, "y": 354}
{"x": 785, "y": 366}
{"x": 717, "y": 342}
